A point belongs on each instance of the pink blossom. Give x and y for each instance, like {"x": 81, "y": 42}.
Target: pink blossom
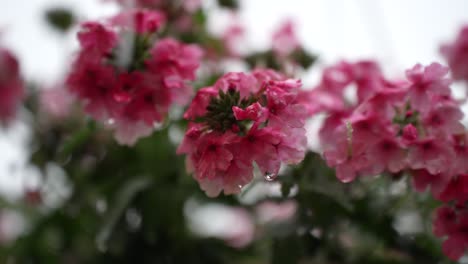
{"x": 285, "y": 40}
{"x": 139, "y": 20}
{"x": 134, "y": 97}
{"x": 455, "y": 190}
{"x": 426, "y": 82}
{"x": 173, "y": 58}
{"x": 443, "y": 120}
{"x": 423, "y": 180}
{"x": 430, "y": 154}
{"x": 319, "y": 100}
{"x": 459, "y": 163}
{"x": 232, "y": 39}
{"x": 284, "y": 109}
{"x": 199, "y": 103}
{"x": 409, "y": 134}
{"x": 238, "y": 122}
{"x": 445, "y": 221}
{"x": 456, "y": 54}
{"x": 56, "y": 101}
{"x": 387, "y": 155}
{"x": 454, "y": 226}
{"x": 11, "y": 86}
{"x": 96, "y": 36}
{"x": 386, "y": 130}
{"x": 246, "y": 84}
{"x": 255, "y": 112}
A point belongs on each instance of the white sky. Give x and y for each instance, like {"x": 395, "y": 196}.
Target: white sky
{"x": 399, "y": 33}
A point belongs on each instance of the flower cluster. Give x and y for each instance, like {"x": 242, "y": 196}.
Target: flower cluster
{"x": 456, "y": 54}
{"x": 127, "y": 79}
{"x": 243, "y": 119}
{"x": 405, "y": 126}
{"x": 453, "y": 224}
{"x": 11, "y": 86}
{"x": 395, "y": 125}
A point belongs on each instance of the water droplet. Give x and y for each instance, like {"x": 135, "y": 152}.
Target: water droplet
{"x": 270, "y": 176}
{"x": 110, "y": 121}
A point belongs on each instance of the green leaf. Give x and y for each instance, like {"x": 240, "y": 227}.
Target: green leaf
{"x": 76, "y": 141}
{"x": 124, "y": 197}
{"x": 60, "y": 18}
{"x": 232, "y": 4}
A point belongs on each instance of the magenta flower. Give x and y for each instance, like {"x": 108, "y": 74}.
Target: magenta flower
{"x": 425, "y": 83}
{"x": 11, "y": 86}
{"x": 454, "y": 226}
{"x": 285, "y": 40}
{"x": 241, "y": 120}
{"x": 431, "y": 154}
{"x": 126, "y": 79}
{"x": 394, "y": 126}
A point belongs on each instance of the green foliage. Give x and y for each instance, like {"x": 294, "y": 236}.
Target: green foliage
{"x": 62, "y": 19}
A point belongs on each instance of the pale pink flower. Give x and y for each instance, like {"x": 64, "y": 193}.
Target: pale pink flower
{"x": 426, "y": 82}
{"x": 430, "y": 154}
{"x": 56, "y": 101}
{"x": 285, "y": 40}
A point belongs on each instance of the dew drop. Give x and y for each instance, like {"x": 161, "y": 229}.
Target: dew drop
{"x": 110, "y": 121}
{"x": 270, "y": 176}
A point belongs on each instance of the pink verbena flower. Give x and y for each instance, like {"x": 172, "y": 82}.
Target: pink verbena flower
{"x": 128, "y": 80}
{"x": 369, "y": 82}
{"x": 56, "y": 101}
{"x": 233, "y": 38}
{"x": 455, "y": 190}
{"x": 285, "y": 40}
{"x": 388, "y": 129}
{"x": 456, "y": 54}
{"x": 425, "y": 83}
{"x": 452, "y": 224}
{"x": 241, "y": 120}
{"x": 139, "y": 20}
{"x": 431, "y": 154}
{"x": 11, "y": 86}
